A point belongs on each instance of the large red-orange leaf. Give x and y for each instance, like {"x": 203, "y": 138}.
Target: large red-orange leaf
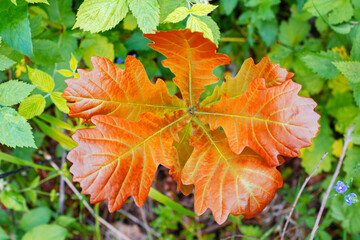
{"x": 184, "y": 150}
{"x": 109, "y": 90}
{"x": 119, "y": 158}
{"x": 271, "y": 121}
{"x": 226, "y": 182}
{"x": 235, "y": 87}
{"x": 192, "y": 58}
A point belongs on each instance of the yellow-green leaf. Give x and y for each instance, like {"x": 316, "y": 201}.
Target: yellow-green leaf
{"x": 177, "y": 15}
{"x": 65, "y": 73}
{"x": 73, "y": 62}
{"x": 100, "y": 15}
{"x": 41, "y": 80}
{"x": 32, "y": 106}
{"x": 130, "y": 22}
{"x": 59, "y": 102}
{"x": 202, "y": 9}
{"x": 196, "y": 25}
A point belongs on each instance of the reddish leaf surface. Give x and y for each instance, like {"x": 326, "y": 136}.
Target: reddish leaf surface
{"x": 226, "y": 182}
{"x": 119, "y": 158}
{"x": 271, "y": 121}
{"x": 109, "y": 90}
{"x": 232, "y": 170}
{"x": 192, "y": 58}
{"x": 234, "y": 87}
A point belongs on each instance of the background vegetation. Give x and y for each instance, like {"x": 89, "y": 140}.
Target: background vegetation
{"x": 318, "y": 40}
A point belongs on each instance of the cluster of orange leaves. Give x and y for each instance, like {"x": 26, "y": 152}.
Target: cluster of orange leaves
{"x": 139, "y": 126}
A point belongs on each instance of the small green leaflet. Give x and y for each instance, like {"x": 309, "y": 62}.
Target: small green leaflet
{"x": 147, "y": 14}
{"x": 293, "y": 32}
{"x": 177, "y": 15}
{"x": 73, "y": 63}
{"x": 41, "y": 80}
{"x": 322, "y": 63}
{"x": 100, "y": 15}
{"x": 13, "y": 92}
{"x": 351, "y": 70}
{"x": 202, "y": 9}
{"x": 5, "y": 62}
{"x": 130, "y": 22}
{"x": 45, "y": 232}
{"x": 13, "y": 200}
{"x": 196, "y": 25}
{"x": 15, "y": 131}
{"x": 59, "y": 102}
{"x": 32, "y": 106}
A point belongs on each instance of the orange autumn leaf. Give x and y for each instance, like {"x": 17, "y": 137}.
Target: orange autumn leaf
{"x": 226, "y": 182}
{"x": 123, "y": 93}
{"x": 138, "y": 126}
{"x": 119, "y": 158}
{"x": 271, "y": 121}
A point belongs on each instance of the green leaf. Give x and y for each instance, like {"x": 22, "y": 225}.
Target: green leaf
{"x": 60, "y": 12}
{"x": 351, "y": 163}
{"x": 348, "y": 216}
{"x": 46, "y": 52}
{"x": 342, "y": 13}
{"x": 16, "y": 17}
{"x": 342, "y": 108}
{"x": 73, "y": 63}
{"x": 15, "y": 131}
{"x": 32, "y": 106}
{"x": 46, "y": 232}
{"x": 65, "y": 73}
{"x": 58, "y": 136}
{"x": 35, "y": 217}
{"x": 177, "y": 15}
{"x": 293, "y": 32}
{"x": 268, "y": 32}
{"x": 59, "y": 102}
{"x": 322, "y": 63}
{"x": 341, "y": 28}
{"x": 356, "y": 92}
{"x": 13, "y": 200}
{"x": 321, "y": 7}
{"x": 355, "y": 51}
{"x": 100, "y": 15}
{"x": 147, "y": 14}
{"x": 13, "y": 92}
{"x": 228, "y": 6}
{"x": 3, "y": 235}
{"x": 130, "y": 22}
{"x": 56, "y": 122}
{"x": 321, "y": 144}
{"x": 11, "y": 159}
{"x": 38, "y": 1}
{"x": 202, "y": 9}
{"x": 5, "y": 62}
{"x": 213, "y": 27}
{"x": 351, "y": 70}
{"x": 99, "y": 47}
{"x": 196, "y": 25}
{"x": 41, "y": 80}
{"x": 167, "y": 7}
{"x": 138, "y": 42}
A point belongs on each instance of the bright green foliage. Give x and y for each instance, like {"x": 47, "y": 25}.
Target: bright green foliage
{"x": 41, "y": 80}
{"x": 351, "y": 70}
{"x": 321, "y": 144}
{"x": 322, "y": 63}
{"x": 13, "y": 92}
{"x": 352, "y": 164}
{"x": 32, "y": 106}
{"x": 196, "y": 25}
{"x": 177, "y": 15}
{"x": 34, "y": 218}
{"x": 167, "y": 7}
{"x": 202, "y": 9}
{"x": 15, "y": 17}
{"x": 45, "y": 232}
{"x": 355, "y": 50}
{"x": 97, "y": 46}
{"x": 228, "y": 6}
{"x": 5, "y": 62}
{"x": 130, "y": 22}
{"x": 46, "y": 52}
{"x": 73, "y": 63}
{"x": 146, "y": 13}
{"x": 15, "y": 131}
{"x": 293, "y": 32}
{"x": 13, "y": 200}
{"x": 348, "y": 216}
{"x": 59, "y": 102}
{"x": 65, "y": 73}
{"x": 96, "y": 16}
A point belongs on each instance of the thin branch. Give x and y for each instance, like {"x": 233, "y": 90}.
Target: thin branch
{"x": 88, "y": 207}
{"x": 299, "y": 194}
{"x": 336, "y": 173}
{"x": 62, "y": 183}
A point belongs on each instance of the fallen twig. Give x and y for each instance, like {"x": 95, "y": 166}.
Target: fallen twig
{"x": 89, "y": 208}
{"x": 62, "y": 183}
{"x": 336, "y": 173}
{"x": 299, "y": 194}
